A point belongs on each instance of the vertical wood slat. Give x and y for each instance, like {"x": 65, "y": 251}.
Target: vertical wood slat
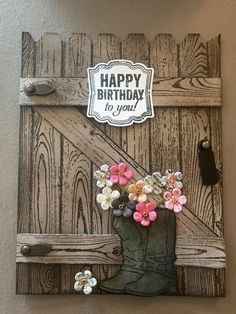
{"x": 195, "y": 125}
{"x": 25, "y": 161}
{"x": 135, "y": 138}
{"x": 214, "y": 70}
{"x": 165, "y": 134}
{"x": 106, "y": 47}
{"x": 45, "y": 205}
{"x": 76, "y": 167}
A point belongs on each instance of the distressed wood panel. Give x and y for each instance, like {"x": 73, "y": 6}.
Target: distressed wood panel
{"x": 164, "y": 131}
{"x": 25, "y": 162}
{"x": 159, "y": 138}
{"x": 98, "y": 147}
{"x": 195, "y": 125}
{"x": 105, "y": 47}
{"x": 166, "y": 92}
{"x": 106, "y": 249}
{"x": 135, "y": 138}
{"x": 76, "y": 167}
{"x": 214, "y": 69}
{"x": 45, "y": 150}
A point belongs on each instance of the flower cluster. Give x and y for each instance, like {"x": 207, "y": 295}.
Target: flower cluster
{"x": 136, "y": 199}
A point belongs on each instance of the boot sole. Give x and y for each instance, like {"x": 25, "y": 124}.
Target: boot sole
{"x": 172, "y": 290}
{"x": 112, "y": 290}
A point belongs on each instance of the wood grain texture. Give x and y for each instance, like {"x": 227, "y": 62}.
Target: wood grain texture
{"x": 194, "y": 60}
{"x": 45, "y": 154}
{"x": 164, "y": 131}
{"x": 106, "y": 249}
{"x": 25, "y": 162}
{"x": 105, "y": 47}
{"x": 166, "y": 92}
{"x": 97, "y": 146}
{"x": 135, "y": 139}
{"x": 214, "y": 69}
{"x": 60, "y": 149}
{"x": 76, "y": 167}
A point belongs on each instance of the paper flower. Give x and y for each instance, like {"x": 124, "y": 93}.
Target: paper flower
{"x": 174, "y": 200}
{"x": 123, "y": 206}
{"x": 120, "y": 174}
{"x": 106, "y": 197}
{"x": 152, "y": 183}
{"x": 145, "y": 213}
{"x": 137, "y": 192}
{"x": 172, "y": 180}
{"x": 85, "y": 281}
{"x": 102, "y": 176}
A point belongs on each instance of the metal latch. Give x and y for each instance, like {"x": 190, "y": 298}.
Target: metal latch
{"x": 35, "y": 249}
{"x": 41, "y": 88}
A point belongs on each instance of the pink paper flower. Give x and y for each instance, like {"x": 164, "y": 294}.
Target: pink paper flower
{"x": 145, "y": 213}
{"x": 120, "y": 174}
{"x": 174, "y": 200}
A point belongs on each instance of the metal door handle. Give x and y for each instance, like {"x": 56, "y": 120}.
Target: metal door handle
{"x": 41, "y": 88}
{"x": 35, "y": 249}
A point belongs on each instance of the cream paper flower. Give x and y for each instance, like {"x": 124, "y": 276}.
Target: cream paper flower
{"x": 106, "y": 197}
{"x": 85, "y": 281}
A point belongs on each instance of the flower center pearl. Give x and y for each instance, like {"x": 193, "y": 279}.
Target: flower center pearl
{"x": 145, "y": 214}
{"x": 121, "y": 206}
{"x": 108, "y": 198}
{"x": 120, "y": 173}
{"x": 83, "y": 280}
{"x": 138, "y": 191}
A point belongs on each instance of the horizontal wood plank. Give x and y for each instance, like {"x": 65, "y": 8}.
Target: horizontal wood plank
{"x": 166, "y": 92}
{"x": 106, "y": 249}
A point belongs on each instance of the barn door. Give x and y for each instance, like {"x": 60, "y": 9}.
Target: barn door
{"x": 60, "y": 148}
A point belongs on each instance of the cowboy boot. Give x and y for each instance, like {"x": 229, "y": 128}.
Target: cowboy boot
{"x": 160, "y": 275}
{"x": 132, "y": 238}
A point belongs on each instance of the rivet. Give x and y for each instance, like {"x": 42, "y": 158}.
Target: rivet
{"x": 206, "y": 144}
{"x": 25, "y": 249}
{"x": 29, "y": 88}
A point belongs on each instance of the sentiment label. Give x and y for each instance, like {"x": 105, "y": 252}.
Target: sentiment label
{"x": 120, "y": 92}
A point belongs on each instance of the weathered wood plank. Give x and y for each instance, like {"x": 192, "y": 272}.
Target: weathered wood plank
{"x": 195, "y": 125}
{"x": 98, "y": 147}
{"x": 105, "y": 47}
{"x": 164, "y": 127}
{"x": 46, "y": 173}
{"x": 214, "y": 62}
{"x": 214, "y": 57}
{"x": 166, "y": 92}
{"x": 76, "y": 167}
{"x": 135, "y": 139}
{"x": 25, "y": 161}
{"x": 203, "y": 281}
{"x": 106, "y": 249}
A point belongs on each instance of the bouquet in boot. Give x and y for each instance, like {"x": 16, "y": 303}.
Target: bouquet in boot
{"x": 144, "y": 218}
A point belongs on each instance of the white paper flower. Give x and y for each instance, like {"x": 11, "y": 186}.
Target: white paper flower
{"x": 106, "y": 197}
{"x": 102, "y": 176}
{"x": 85, "y": 281}
{"x": 152, "y": 184}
